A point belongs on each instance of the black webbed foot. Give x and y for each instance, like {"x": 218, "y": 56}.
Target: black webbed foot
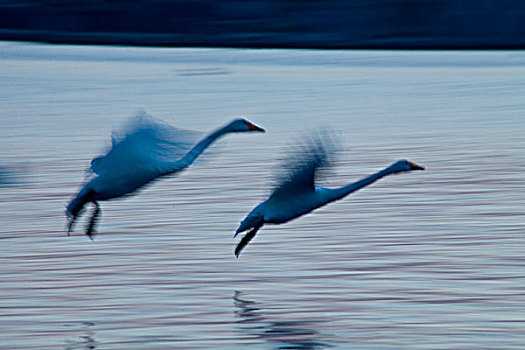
{"x": 246, "y": 239}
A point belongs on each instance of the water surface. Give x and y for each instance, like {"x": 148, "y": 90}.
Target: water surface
{"x": 426, "y": 260}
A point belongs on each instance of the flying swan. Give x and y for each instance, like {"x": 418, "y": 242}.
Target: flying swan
{"x": 145, "y": 150}
{"x": 296, "y": 194}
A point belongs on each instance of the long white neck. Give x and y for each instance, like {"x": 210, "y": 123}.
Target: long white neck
{"x": 197, "y": 150}
{"x": 331, "y": 195}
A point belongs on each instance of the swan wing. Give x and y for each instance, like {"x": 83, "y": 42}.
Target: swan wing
{"x": 145, "y": 145}
{"x": 299, "y": 170}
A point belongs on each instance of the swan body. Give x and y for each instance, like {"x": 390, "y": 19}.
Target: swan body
{"x": 298, "y": 195}
{"x": 146, "y": 150}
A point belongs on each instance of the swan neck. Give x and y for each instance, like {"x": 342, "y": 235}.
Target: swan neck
{"x": 344, "y": 191}
{"x": 200, "y": 147}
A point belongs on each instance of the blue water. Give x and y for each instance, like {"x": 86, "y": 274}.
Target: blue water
{"x": 426, "y": 260}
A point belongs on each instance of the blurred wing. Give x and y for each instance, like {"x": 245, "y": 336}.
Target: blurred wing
{"x": 147, "y": 145}
{"x": 299, "y": 171}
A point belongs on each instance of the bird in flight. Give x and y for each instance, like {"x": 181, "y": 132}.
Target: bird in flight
{"x": 145, "y": 150}
{"x": 296, "y": 194}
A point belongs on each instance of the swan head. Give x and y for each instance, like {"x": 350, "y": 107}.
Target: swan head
{"x": 243, "y": 125}
{"x": 405, "y": 165}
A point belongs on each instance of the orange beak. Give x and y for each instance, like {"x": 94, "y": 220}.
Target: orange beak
{"x": 253, "y": 127}
{"x": 414, "y": 166}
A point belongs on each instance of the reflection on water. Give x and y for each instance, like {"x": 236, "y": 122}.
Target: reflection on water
{"x": 300, "y": 335}
{"x": 85, "y": 340}
{"x": 203, "y": 71}
{"x": 11, "y": 175}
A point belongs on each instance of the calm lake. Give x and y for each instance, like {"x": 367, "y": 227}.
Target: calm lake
{"x": 424, "y": 260}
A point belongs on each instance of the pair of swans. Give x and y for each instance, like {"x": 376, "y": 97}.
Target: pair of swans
{"x": 149, "y": 149}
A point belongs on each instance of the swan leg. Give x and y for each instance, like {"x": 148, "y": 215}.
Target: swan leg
{"x": 76, "y": 207}
{"x": 70, "y": 224}
{"x": 246, "y": 239}
{"x": 72, "y": 218}
{"x": 90, "y": 229}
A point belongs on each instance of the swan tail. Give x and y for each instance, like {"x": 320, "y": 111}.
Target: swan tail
{"x": 74, "y": 208}
{"x": 246, "y": 239}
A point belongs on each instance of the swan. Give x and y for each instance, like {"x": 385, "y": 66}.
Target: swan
{"x": 144, "y": 151}
{"x": 296, "y": 194}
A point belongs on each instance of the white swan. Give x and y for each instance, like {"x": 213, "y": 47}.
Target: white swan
{"x": 146, "y": 150}
{"x": 296, "y": 194}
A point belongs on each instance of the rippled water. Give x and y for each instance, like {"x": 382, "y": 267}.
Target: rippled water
{"x": 426, "y": 260}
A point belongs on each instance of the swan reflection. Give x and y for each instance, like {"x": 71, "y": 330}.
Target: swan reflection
{"x": 86, "y": 341}
{"x": 12, "y": 175}
{"x": 298, "y": 335}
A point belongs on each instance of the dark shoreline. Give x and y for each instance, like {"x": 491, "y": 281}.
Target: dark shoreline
{"x": 173, "y": 40}
{"x": 330, "y": 24}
